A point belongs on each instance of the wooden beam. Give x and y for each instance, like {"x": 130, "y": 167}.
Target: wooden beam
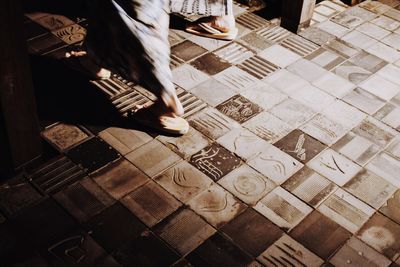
{"x": 296, "y": 14}
{"x": 19, "y": 131}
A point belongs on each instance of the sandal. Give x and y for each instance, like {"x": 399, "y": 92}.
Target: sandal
{"x": 80, "y": 62}
{"x": 206, "y": 27}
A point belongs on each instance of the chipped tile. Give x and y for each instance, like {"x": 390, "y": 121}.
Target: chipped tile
{"x": 150, "y": 203}
{"x": 183, "y": 181}
{"x": 216, "y": 205}
{"x": 283, "y": 208}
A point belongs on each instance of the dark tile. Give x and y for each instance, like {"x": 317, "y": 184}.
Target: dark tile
{"x": 219, "y": 251}
{"x": 239, "y": 108}
{"x": 146, "y": 250}
{"x": 187, "y": 50}
{"x": 93, "y": 154}
{"x": 391, "y": 207}
{"x": 32, "y": 30}
{"x": 210, "y": 64}
{"x": 78, "y": 249}
{"x": 300, "y": 145}
{"x": 320, "y": 234}
{"x": 34, "y": 261}
{"x": 114, "y": 226}
{"x": 8, "y": 244}
{"x": 56, "y": 174}
{"x": 44, "y": 44}
{"x": 16, "y": 194}
{"x": 215, "y": 161}
{"x": 252, "y": 232}
{"x": 84, "y": 199}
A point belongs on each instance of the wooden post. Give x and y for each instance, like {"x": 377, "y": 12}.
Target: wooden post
{"x": 19, "y": 131}
{"x": 296, "y": 14}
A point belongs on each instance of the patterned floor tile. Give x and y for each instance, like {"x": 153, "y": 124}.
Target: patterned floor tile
{"x": 54, "y": 22}
{"x": 184, "y": 231}
{"x": 247, "y": 184}
{"x": 279, "y": 55}
{"x": 239, "y": 108}
{"x": 236, "y": 79}
{"x": 347, "y": 115}
{"x": 385, "y": 52}
{"x": 293, "y": 112}
{"x": 357, "y": 253}
{"x": 346, "y": 210}
{"x": 286, "y": 81}
{"x": 84, "y": 199}
{"x": 307, "y": 70}
{"x": 243, "y": 143}
{"x": 191, "y": 104}
{"x": 393, "y": 13}
{"x": 334, "y": 166}
{"x": 380, "y": 87}
{"x": 334, "y": 85}
{"x": 273, "y": 33}
{"x": 353, "y": 17}
{"x": 316, "y": 35}
{"x": 17, "y": 194}
{"x": 63, "y": 136}
{"x": 394, "y": 148}
{"x": 252, "y": 232}
{"x": 216, "y": 205}
{"x": 251, "y": 21}
{"x": 258, "y": 67}
{"x": 141, "y": 251}
{"x": 325, "y": 58}
{"x": 210, "y": 64}
{"x": 183, "y": 181}
{"x": 300, "y": 146}
{"x": 275, "y": 164}
{"x": 373, "y": 30}
{"x": 387, "y": 167}
{"x": 187, "y": 50}
{"x": 264, "y": 95}
{"x": 150, "y": 203}
{"x": 153, "y": 158}
{"x": 71, "y": 34}
{"x": 320, "y": 234}
{"x": 352, "y": 72}
{"x": 342, "y": 48}
{"x": 359, "y": 40}
{"x": 234, "y": 53}
{"x": 120, "y": 178}
{"x": 255, "y": 42}
{"x": 213, "y": 92}
{"x": 188, "y": 77}
{"x": 332, "y": 28}
{"x": 124, "y": 140}
{"x": 364, "y": 101}
{"x": 386, "y": 23}
{"x": 283, "y": 208}
{"x": 381, "y": 233}
{"x": 390, "y": 208}
{"x": 313, "y": 98}
{"x": 219, "y": 251}
{"x": 390, "y": 115}
{"x": 287, "y": 250}
{"x": 309, "y": 186}
{"x": 299, "y": 45}
{"x": 375, "y": 131}
{"x": 390, "y": 73}
{"x": 268, "y": 127}
{"x": 375, "y": 6}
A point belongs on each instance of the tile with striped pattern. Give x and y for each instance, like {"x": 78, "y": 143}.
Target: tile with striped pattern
{"x": 126, "y": 101}
{"x": 274, "y": 33}
{"x": 258, "y": 67}
{"x": 191, "y": 104}
{"x": 236, "y": 79}
{"x": 299, "y": 45}
{"x": 234, "y": 53}
{"x": 251, "y": 21}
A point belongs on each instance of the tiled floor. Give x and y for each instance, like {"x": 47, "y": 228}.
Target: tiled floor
{"x": 292, "y": 158}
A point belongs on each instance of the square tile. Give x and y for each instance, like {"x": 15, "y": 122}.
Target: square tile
{"x": 216, "y": 205}
{"x": 393, "y": 13}
{"x": 386, "y": 23}
{"x": 320, "y": 234}
{"x": 316, "y": 35}
{"x": 299, "y": 45}
{"x": 153, "y": 158}
{"x": 247, "y": 184}
{"x": 346, "y": 210}
{"x": 93, "y": 154}
{"x": 212, "y": 123}
{"x": 53, "y": 22}
{"x": 368, "y": 61}
{"x": 356, "y": 148}
{"x": 279, "y": 55}
{"x": 150, "y": 203}
{"x": 188, "y": 77}
{"x": 213, "y": 92}
{"x": 71, "y": 34}
{"x": 325, "y": 58}
{"x": 252, "y": 232}
{"x": 394, "y": 148}
{"x": 387, "y": 167}
{"x": 210, "y": 64}
{"x": 239, "y": 108}
{"x": 215, "y": 161}
{"x": 348, "y": 115}
{"x": 293, "y": 112}
{"x": 352, "y": 72}
{"x": 191, "y": 104}
{"x": 254, "y": 41}
{"x": 84, "y": 199}
{"x": 309, "y": 186}
{"x": 324, "y": 129}
{"x": 380, "y": 87}
{"x": 273, "y": 33}
{"x": 334, "y": 166}
{"x": 391, "y": 73}
{"x": 313, "y": 98}
{"x": 243, "y": 143}
{"x": 258, "y": 67}
{"x": 64, "y": 136}
{"x": 375, "y": 131}
{"x": 120, "y": 178}
{"x": 385, "y": 52}
{"x": 370, "y": 188}
{"x": 208, "y": 43}
{"x": 359, "y": 39}
{"x": 389, "y": 114}
{"x": 234, "y": 53}
{"x": 390, "y": 208}
{"x": 141, "y": 250}
{"x": 219, "y": 251}
{"x": 300, "y": 146}
{"x": 307, "y": 70}
{"x": 375, "y": 6}
{"x": 251, "y": 21}
{"x": 183, "y": 181}
{"x": 275, "y": 164}
{"x": 236, "y": 79}
{"x": 187, "y": 50}
{"x": 124, "y": 140}
{"x": 342, "y": 48}
{"x": 288, "y": 250}
{"x": 365, "y": 101}
{"x": 357, "y": 253}
{"x": 373, "y": 30}
{"x": 184, "y": 231}
{"x": 382, "y": 234}
{"x": 185, "y": 145}
{"x": 332, "y": 28}
{"x": 286, "y": 81}
{"x": 353, "y": 16}
{"x": 44, "y": 44}
{"x": 264, "y": 95}
{"x": 268, "y": 127}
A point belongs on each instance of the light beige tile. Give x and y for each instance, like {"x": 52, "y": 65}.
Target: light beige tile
{"x": 387, "y": 167}
{"x": 264, "y": 95}
{"x": 279, "y": 55}
{"x": 188, "y": 77}
{"x": 380, "y": 87}
{"x": 385, "y": 52}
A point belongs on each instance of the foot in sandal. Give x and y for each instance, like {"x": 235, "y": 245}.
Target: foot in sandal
{"x": 83, "y": 63}
{"x": 217, "y": 27}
